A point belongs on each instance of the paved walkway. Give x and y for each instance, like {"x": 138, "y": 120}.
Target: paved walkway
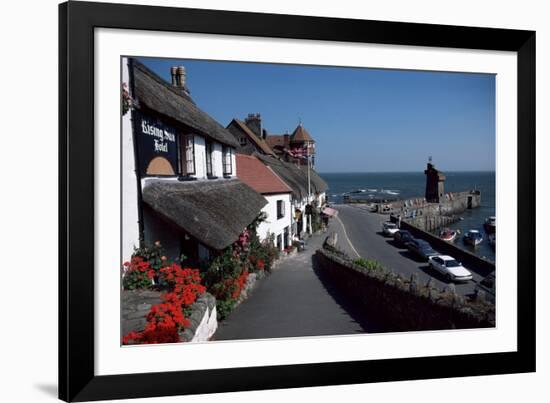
{"x": 294, "y": 301}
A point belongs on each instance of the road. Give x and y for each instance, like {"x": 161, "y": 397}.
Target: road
{"x": 364, "y": 235}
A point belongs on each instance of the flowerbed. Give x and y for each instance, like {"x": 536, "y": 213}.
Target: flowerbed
{"x": 181, "y": 285}
{"x": 225, "y": 278}
{"x": 227, "y": 275}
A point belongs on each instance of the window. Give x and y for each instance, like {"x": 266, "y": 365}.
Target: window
{"x": 227, "y": 161}
{"x": 280, "y": 209}
{"x": 187, "y": 154}
{"x": 209, "y": 172}
{"x": 242, "y": 140}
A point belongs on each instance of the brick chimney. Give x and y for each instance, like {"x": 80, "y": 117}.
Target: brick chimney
{"x": 286, "y": 139}
{"x": 254, "y": 123}
{"x": 179, "y": 80}
{"x": 178, "y": 76}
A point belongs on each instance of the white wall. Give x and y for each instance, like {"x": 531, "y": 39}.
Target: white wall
{"x": 217, "y": 159}
{"x": 272, "y": 225}
{"x": 37, "y": 41}
{"x": 130, "y": 218}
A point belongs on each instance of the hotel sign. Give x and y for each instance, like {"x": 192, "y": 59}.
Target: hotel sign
{"x": 157, "y": 146}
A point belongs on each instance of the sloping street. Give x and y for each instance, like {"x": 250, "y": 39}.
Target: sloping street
{"x": 294, "y": 301}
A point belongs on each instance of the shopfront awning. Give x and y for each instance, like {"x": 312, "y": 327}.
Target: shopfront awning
{"x": 214, "y": 212}
{"x": 329, "y": 211}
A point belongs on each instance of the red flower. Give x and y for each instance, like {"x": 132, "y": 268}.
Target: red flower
{"x": 166, "y": 319}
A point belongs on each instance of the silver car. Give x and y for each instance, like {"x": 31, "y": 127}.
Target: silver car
{"x": 450, "y": 268}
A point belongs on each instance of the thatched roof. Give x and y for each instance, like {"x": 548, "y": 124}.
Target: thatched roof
{"x": 158, "y": 95}
{"x": 294, "y": 176}
{"x": 215, "y": 212}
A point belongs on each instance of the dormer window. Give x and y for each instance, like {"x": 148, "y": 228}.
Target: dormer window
{"x": 187, "y": 154}
{"x": 227, "y": 161}
{"x": 242, "y": 140}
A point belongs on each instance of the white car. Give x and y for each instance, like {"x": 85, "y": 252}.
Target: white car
{"x": 389, "y": 228}
{"x": 450, "y": 268}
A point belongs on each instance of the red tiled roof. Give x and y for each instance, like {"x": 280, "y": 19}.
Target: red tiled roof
{"x": 300, "y": 135}
{"x": 259, "y": 176}
{"x": 252, "y": 136}
{"x": 274, "y": 140}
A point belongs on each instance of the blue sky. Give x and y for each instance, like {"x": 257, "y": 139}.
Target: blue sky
{"x": 363, "y": 120}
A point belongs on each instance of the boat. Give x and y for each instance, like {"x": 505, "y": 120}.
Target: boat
{"x": 448, "y": 234}
{"x": 473, "y": 237}
{"x": 490, "y": 224}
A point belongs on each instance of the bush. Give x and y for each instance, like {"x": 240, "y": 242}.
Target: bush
{"x": 226, "y": 275}
{"x": 369, "y": 264}
{"x": 138, "y": 274}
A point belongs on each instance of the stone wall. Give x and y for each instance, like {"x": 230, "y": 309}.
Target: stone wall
{"x": 136, "y": 304}
{"x": 430, "y": 222}
{"x": 400, "y": 304}
{"x": 450, "y": 204}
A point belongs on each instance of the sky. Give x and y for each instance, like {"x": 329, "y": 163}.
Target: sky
{"x": 362, "y": 120}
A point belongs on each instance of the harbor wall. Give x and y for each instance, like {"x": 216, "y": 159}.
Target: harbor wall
{"x": 430, "y": 222}
{"x": 472, "y": 262}
{"x": 418, "y": 209}
{"x": 399, "y": 304}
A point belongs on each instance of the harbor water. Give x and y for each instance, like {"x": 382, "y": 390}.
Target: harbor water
{"x": 412, "y": 184}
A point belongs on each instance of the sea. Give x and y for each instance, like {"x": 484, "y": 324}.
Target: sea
{"x": 412, "y": 184}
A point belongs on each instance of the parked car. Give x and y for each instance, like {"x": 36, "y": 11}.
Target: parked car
{"x": 389, "y": 228}
{"x": 487, "y": 285}
{"x": 401, "y": 237}
{"x": 421, "y": 249}
{"x": 450, "y": 268}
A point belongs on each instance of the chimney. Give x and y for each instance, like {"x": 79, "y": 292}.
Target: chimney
{"x": 174, "y": 72}
{"x": 178, "y": 76}
{"x": 254, "y": 123}
{"x": 286, "y": 138}
{"x": 264, "y": 134}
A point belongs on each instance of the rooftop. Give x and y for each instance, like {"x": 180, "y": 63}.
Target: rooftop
{"x": 214, "y": 212}
{"x": 300, "y": 135}
{"x": 153, "y": 93}
{"x": 261, "y": 143}
{"x": 259, "y": 176}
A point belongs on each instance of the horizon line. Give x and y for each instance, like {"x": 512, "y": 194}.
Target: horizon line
{"x": 402, "y": 172}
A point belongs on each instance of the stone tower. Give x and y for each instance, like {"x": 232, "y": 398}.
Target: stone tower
{"x": 435, "y": 184}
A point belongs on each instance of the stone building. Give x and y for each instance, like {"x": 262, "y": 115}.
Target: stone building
{"x": 435, "y": 184}
{"x": 250, "y": 135}
{"x": 293, "y": 147}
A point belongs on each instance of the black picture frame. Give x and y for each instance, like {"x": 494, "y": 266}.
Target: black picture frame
{"x": 77, "y": 21}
